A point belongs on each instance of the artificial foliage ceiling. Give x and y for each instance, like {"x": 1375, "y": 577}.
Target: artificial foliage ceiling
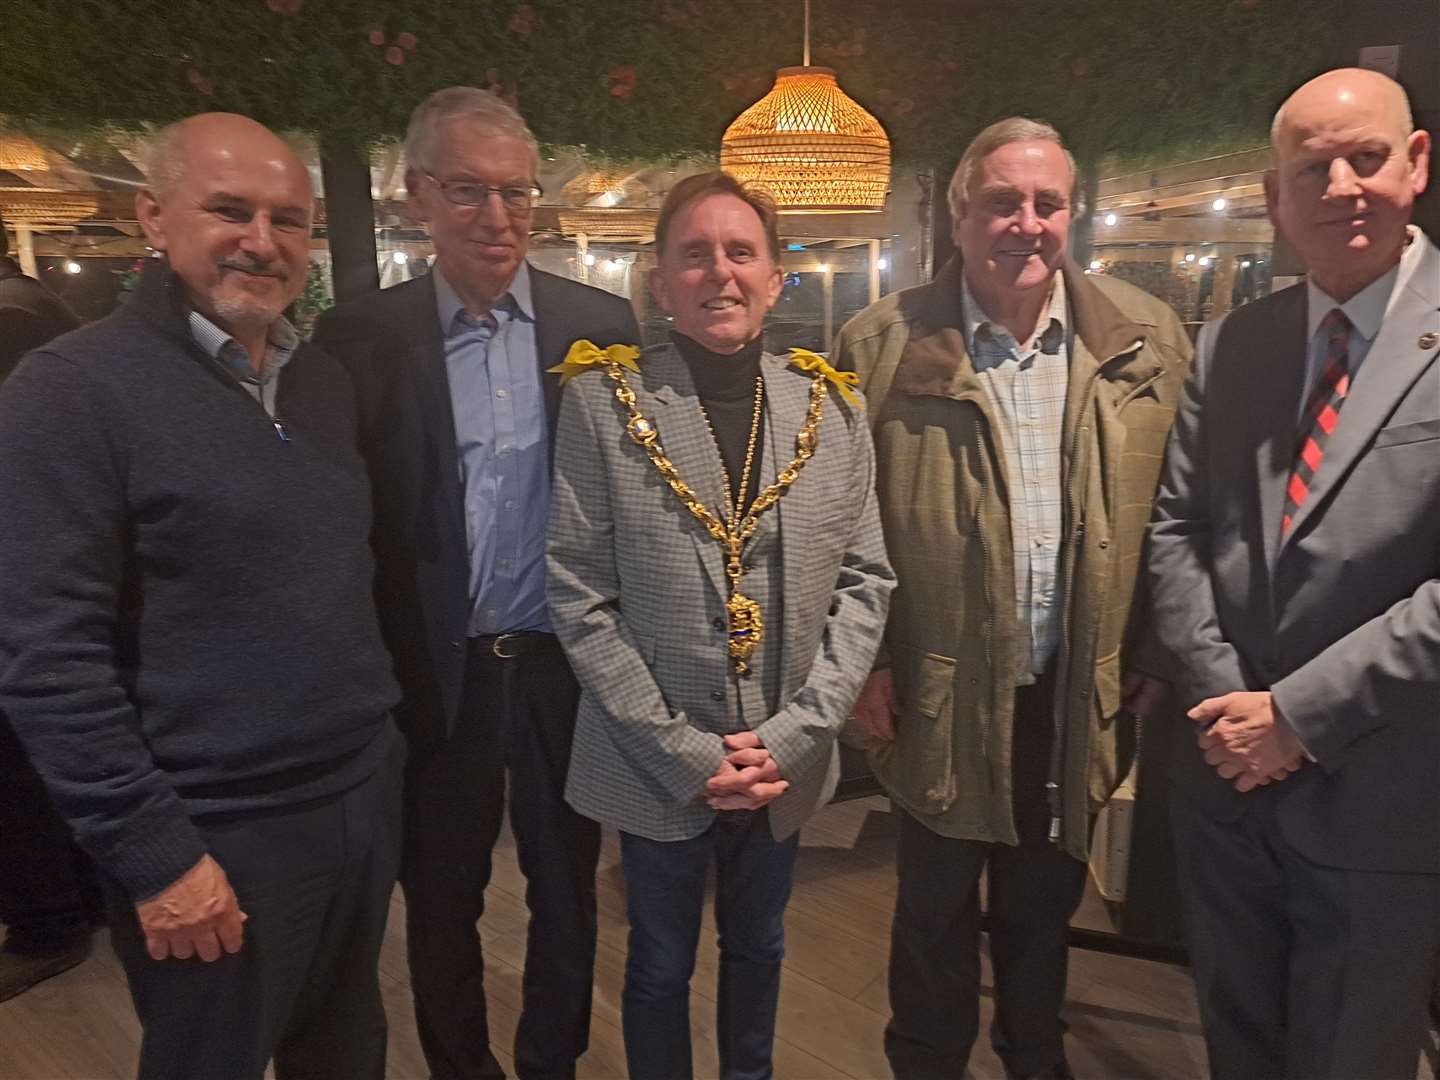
{"x": 653, "y": 78}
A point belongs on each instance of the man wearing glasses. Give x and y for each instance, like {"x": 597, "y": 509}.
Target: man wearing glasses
{"x": 457, "y": 421}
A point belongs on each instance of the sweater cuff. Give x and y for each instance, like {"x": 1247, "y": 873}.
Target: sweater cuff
{"x": 153, "y": 855}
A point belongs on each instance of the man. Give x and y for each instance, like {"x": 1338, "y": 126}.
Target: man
{"x": 191, "y": 654}
{"x": 30, "y": 314}
{"x": 1020, "y": 408}
{"x": 721, "y": 632}
{"x": 47, "y": 895}
{"x": 457, "y": 420}
{"x": 1295, "y": 569}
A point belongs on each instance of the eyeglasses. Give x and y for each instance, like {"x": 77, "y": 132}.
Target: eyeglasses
{"x": 514, "y": 198}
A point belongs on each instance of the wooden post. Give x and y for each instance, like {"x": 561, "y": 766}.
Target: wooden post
{"x": 829, "y": 286}
{"x": 349, "y": 219}
{"x": 874, "y": 270}
{"x": 25, "y": 251}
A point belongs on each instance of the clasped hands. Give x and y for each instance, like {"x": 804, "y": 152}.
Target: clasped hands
{"x": 1246, "y": 739}
{"x": 747, "y": 779}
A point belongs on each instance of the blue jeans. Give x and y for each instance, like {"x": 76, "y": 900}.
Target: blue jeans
{"x": 665, "y": 894}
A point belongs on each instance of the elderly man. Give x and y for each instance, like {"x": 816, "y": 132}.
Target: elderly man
{"x": 1295, "y": 568}
{"x": 1020, "y": 408}
{"x": 192, "y": 657}
{"x": 457, "y": 421}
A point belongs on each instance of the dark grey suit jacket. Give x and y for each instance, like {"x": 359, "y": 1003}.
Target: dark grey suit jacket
{"x": 392, "y": 345}
{"x": 1341, "y": 620}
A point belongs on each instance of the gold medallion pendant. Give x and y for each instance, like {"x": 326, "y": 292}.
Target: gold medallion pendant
{"x": 745, "y": 623}
{"x": 747, "y": 629}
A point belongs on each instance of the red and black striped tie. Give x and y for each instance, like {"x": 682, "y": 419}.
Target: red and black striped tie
{"x": 1322, "y": 412}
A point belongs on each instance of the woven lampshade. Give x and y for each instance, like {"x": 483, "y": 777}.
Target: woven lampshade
{"x": 30, "y": 207}
{"x": 617, "y": 225}
{"x": 603, "y": 188}
{"x": 812, "y": 147}
{"x": 19, "y": 154}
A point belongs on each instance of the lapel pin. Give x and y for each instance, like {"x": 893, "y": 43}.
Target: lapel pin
{"x": 1428, "y": 340}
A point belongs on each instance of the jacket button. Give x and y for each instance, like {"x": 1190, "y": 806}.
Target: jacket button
{"x": 1104, "y": 544}
{"x": 455, "y": 645}
{"x": 717, "y": 695}
{"x": 718, "y": 624}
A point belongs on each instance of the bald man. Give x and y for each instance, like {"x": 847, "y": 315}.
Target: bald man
{"x": 193, "y": 660}
{"x": 1295, "y": 571}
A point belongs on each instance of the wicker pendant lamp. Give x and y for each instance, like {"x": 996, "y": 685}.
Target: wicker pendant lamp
{"x": 813, "y": 147}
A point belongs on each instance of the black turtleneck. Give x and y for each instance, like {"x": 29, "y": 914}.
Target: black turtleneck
{"x": 725, "y": 384}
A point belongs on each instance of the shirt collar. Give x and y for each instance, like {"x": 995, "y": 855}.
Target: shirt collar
{"x": 1366, "y": 309}
{"x": 1051, "y": 329}
{"x": 222, "y": 347}
{"x": 448, "y": 303}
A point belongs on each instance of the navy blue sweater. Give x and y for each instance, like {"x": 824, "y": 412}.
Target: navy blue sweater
{"x": 186, "y": 623}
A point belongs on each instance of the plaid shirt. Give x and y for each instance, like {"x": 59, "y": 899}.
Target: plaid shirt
{"x": 1026, "y": 385}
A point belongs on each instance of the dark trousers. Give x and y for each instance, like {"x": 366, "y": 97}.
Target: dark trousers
{"x": 1034, "y": 890}
{"x": 664, "y": 898}
{"x": 1303, "y": 972}
{"x": 315, "y": 882}
{"x": 517, "y": 716}
{"x": 48, "y": 892}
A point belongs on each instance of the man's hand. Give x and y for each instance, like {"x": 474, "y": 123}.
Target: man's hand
{"x": 1141, "y": 694}
{"x": 197, "y": 914}
{"x": 875, "y": 710}
{"x": 1247, "y": 740}
{"x": 747, "y": 779}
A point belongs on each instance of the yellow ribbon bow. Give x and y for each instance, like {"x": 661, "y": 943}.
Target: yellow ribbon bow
{"x": 843, "y": 381}
{"x": 585, "y": 354}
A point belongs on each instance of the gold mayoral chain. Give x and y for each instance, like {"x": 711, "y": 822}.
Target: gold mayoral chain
{"x": 747, "y": 627}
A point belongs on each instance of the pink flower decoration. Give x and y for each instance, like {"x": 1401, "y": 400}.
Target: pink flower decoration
{"x": 406, "y": 41}
{"x": 377, "y": 36}
{"x": 285, "y": 7}
{"x": 395, "y": 55}
{"x": 524, "y": 21}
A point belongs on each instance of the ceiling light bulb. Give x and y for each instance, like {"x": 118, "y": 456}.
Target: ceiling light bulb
{"x": 1219, "y": 204}
{"x": 1095, "y": 264}
{"x": 399, "y": 258}
{"x": 1111, "y": 218}
{"x": 1189, "y": 256}
{"x": 882, "y": 264}
{"x": 589, "y": 259}
{"x": 72, "y": 267}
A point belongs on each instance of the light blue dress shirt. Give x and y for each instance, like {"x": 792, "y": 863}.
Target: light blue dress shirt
{"x": 502, "y": 442}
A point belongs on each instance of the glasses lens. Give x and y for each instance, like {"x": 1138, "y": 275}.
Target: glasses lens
{"x": 518, "y": 198}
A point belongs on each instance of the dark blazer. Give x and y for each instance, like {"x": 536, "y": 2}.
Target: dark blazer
{"x": 1341, "y": 619}
{"x": 392, "y": 344}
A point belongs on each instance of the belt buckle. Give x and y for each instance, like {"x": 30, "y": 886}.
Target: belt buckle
{"x": 500, "y": 646}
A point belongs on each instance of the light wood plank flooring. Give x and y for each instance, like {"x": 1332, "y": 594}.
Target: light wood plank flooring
{"x": 1128, "y": 1018}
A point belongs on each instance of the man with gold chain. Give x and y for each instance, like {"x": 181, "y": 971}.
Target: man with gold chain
{"x": 718, "y": 578}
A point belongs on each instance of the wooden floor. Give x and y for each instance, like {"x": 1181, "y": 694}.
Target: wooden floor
{"x": 1128, "y": 1018}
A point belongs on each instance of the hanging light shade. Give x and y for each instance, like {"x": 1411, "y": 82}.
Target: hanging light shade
{"x": 814, "y": 148}
{"x": 19, "y": 154}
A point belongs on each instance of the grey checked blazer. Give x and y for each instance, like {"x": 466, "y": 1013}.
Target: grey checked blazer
{"x": 636, "y": 587}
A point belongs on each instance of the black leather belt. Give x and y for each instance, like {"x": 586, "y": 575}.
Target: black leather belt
{"x": 516, "y": 644}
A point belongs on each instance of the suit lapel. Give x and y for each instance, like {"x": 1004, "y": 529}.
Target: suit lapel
{"x": 1391, "y": 367}
{"x": 1271, "y": 398}
{"x": 552, "y": 341}
{"x": 427, "y": 359}
{"x": 786, "y": 400}
{"x": 690, "y": 447}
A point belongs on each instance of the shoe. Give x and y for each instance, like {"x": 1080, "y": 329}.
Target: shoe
{"x": 20, "y": 971}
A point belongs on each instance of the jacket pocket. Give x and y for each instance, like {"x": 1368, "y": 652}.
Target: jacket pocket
{"x": 1112, "y": 735}
{"x": 919, "y": 765}
{"x": 1400, "y": 434}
